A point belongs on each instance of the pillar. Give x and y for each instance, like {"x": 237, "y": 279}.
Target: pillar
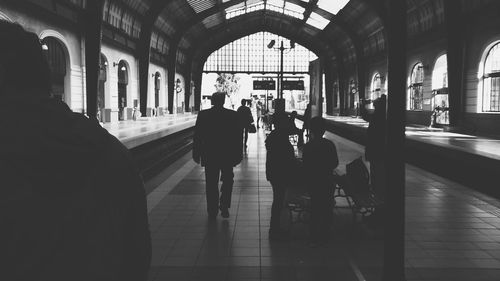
{"x": 93, "y": 35}
{"x": 394, "y": 244}
{"x": 455, "y": 58}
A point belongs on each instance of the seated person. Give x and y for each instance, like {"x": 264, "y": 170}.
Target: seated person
{"x": 293, "y": 128}
{"x": 319, "y": 160}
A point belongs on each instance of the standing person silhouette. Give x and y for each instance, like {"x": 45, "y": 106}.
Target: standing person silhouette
{"x": 258, "y": 110}
{"x": 375, "y": 148}
{"x": 246, "y": 119}
{"x": 217, "y": 147}
{"x": 73, "y": 205}
{"x": 320, "y": 159}
{"x": 280, "y": 162}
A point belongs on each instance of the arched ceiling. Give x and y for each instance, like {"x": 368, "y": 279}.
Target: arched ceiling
{"x": 345, "y": 28}
{"x": 327, "y": 24}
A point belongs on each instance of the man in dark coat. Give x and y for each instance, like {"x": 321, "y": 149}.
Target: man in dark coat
{"x": 217, "y": 146}
{"x": 280, "y": 169}
{"x": 72, "y": 204}
{"x": 246, "y": 119}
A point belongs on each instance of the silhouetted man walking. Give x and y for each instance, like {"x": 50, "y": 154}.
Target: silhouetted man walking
{"x": 246, "y": 119}
{"x": 217, "y": 146}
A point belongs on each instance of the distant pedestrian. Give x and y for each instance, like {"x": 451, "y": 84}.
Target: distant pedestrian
{"x": 259, "y": 112}
{"x": 217, "y": 147}
{"x": 246, "y": 119}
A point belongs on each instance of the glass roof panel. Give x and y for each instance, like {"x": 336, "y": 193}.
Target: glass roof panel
{"x": 201, "y": 5}
{"x": 332, "y": 6}
{"x": 279, "y": 6}
{"x": 294, "y": 10}
{"x": 317, "y": 21}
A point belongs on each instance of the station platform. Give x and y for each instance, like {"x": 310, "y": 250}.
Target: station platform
{"x": 471, "y": 160}
{"x": 146, "y": 129}
{"x": 452, "y": 231}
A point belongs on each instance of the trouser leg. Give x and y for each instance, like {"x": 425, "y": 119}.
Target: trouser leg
{"x": 212, "y": 189}
{"x": 227, "y": 187}
{"x": 245, "y": 132}
{"x": 377, "y": 176}
{"x": 278, "y": 199}
{"x": 321, "y": 215}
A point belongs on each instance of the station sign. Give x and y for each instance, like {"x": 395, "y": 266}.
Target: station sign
{"x": 293, "y": 85}
{"x": 264, "y": 85}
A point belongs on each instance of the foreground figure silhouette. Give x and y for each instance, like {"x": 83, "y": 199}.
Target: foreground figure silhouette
{"x": 280, "y": 169}
{"x": 72, "y": 204}
{"x": 320, "y": 159}
{"x": 218, "y": 147}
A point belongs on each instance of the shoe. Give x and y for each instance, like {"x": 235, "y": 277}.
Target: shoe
{"x": 224, "y": 212}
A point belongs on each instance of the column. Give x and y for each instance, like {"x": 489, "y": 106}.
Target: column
{"x": 455, "y": 58}
{"x": 394, "y": 263}
{"x": 93, "y": 34}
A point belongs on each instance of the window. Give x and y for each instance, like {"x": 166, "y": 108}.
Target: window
{"x": 376, "y": 87}
{"x": 250, "y": 54}
{"x": 491, "y": 80}
{"x": 415, "y": 89}
{"x": 439, "y": 100}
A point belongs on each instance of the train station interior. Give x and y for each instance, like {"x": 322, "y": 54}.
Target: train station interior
{"x": 144, "y": 69}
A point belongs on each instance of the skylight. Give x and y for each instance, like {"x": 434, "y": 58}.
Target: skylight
{"x": 317, "y": 21}
{"x": 332, "y": 6}
{"x": 294, "y": 10}
{"x": 279, "y": 6}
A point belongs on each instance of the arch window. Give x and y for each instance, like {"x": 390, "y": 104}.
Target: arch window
{"x": 157, "y": 84}
{"x": 491, "y": 80}
{"x": 415, "y": 88}
{"x": 122, "y": 89}
{"x": 56, "y": 59}
{"x": 101, "y": 97}
{"x": 439, "y": 99}
{"x": 376, "y": 87}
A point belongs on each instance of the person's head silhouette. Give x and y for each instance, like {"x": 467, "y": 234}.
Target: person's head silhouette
{"x": 23, "y": 66}
{"x": 218, "y": 99}
{"x": 243, "y": 102}
{"x": 318, "y": 127}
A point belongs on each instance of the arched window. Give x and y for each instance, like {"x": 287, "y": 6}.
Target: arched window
{"x": 122, "y": 89}
{"x": 440, "y": 73}
{"x": 56, "y": 59}
{"x": 101, "y": 97}
{"x": 439, "y": 100}
{"x": 415, "y": 88}
{"x": 376, "y": 87}
{"x": 491, "y": 80}
{"x": 157, "y": 84}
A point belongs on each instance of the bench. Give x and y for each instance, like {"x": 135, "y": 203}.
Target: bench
{"x": 355, "y": 187}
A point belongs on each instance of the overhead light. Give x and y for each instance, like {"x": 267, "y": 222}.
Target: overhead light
{"x": 45, "y": 47}
{"x": 271, "y": 44}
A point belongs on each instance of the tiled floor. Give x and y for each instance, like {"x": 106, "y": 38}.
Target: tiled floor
{"x": 453, "y": 233}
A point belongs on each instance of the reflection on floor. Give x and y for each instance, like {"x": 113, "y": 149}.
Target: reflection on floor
{"x": 452, "y": 232}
